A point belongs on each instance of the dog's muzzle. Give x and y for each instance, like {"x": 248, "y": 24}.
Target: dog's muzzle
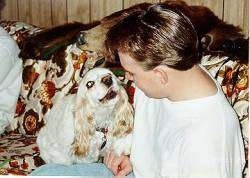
{"x": 81, "y": 39}
{"x": 111, "y": 94}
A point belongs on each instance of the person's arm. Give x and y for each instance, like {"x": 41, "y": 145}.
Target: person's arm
{"x": 9, "y": 51}
{"x": 10, "y": 79}
{"x": 119, "y": 165}
{"x": 203, "y": 153}
{"x": 189, "y": 160}
{"x": 6, "y": 60}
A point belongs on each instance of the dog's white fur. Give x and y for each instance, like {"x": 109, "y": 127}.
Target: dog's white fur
{"x": 71, "y": 133}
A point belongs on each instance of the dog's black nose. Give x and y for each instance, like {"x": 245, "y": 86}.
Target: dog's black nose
{"x": 81, "y": 39}
{"x": 107, "y": 80}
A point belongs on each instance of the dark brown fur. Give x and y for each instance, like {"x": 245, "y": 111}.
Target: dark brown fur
{"x": 216, "y": 36}
{"x": 43, "y": 44}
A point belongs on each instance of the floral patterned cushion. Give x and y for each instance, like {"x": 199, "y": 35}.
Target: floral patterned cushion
{"x": 19, "y": 154}
{"x": 44, "y": 82}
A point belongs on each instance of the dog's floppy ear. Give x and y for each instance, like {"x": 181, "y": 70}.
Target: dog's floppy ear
{"x": 124, "y": 115}
{"x": 84, "y": 125}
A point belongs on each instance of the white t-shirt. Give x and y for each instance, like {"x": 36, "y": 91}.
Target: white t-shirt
{"x": 10, "y": 78}
{"x": 198, "y": 138}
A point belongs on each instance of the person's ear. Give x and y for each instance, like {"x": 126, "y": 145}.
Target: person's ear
{"x": 161, "y": 73}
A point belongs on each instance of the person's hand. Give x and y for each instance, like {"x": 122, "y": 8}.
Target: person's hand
{"x": 119, "y": 165}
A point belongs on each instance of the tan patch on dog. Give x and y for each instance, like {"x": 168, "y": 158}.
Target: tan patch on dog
{"x": 81, "y": 152}
{"x": 90, "y": 119}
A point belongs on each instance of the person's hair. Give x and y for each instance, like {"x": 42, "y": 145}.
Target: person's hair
{"x": 158, "y": 36}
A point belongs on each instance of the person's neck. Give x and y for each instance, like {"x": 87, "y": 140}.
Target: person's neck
{"x": 191, "y": 84}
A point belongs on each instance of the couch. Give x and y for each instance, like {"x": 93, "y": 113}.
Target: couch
{"x": 45, "y": 81}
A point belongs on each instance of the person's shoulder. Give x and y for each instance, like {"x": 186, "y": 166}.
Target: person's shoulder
{"x": 8, "y": 43}
{"x": 3, "y": 32}
{"x": 205, "y": 130}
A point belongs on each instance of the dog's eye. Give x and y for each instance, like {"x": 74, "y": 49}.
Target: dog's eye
{"x": 90, "y": 84}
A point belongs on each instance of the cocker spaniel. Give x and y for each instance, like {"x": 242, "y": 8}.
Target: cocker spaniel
{"x": 82, "y": 127}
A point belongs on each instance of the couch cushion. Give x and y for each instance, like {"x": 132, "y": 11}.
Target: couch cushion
{"x": 19, "y": 154}
{"x": 19, "y": 30}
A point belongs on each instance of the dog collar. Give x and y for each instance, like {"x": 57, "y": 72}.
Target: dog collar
{"x": 104, "y": 138}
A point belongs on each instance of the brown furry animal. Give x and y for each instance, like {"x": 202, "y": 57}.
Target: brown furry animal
{"x": 216, "y": 37}
{"x": 43, "y": 44}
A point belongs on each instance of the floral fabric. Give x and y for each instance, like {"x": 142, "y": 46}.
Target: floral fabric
{"x": 44, "y": 82}
{"x": 19, "y": 154}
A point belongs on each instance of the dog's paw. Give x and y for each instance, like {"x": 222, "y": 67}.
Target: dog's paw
{"x": 123, "y": 145}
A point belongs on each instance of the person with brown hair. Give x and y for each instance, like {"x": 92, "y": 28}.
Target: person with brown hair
{"x": 184, "y": 126}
